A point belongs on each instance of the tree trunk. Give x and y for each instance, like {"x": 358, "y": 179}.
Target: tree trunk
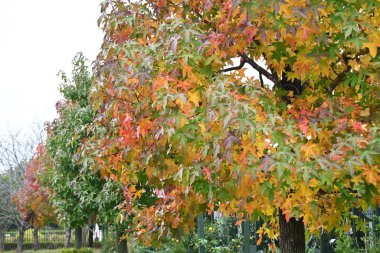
{"x": 246, "y": 236}
{"x": 358, "y": 235}
{"x": 2, "y": 240}
{"x": 326, "y": 247}
{"x": 292, "y": 235}
{"x": 78, "y": 237}
{"x": 36, "y": 243}
{"x": 91, "y": 235}
{"x": 201, "y": 230}
{"x": 122, "y": 244}
{"x": 20, "y": 241}
{"x": 68, "y": 238}
{"x": 84, "y": 236}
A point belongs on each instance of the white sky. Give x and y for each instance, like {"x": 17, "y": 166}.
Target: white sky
{"x": 37, "y": 39}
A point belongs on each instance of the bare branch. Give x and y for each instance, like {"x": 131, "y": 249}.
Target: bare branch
{"x": 261, "y": 80}
{"x": 242, "y": 62}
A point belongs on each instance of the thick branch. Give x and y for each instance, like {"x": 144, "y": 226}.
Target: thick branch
{"x": 260, "y": 69}
{"x": 338, "y": 79}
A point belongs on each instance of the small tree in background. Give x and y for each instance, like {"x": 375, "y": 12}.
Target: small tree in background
{"x": 73, "y": 189}
{"x": 33, "y": 199}
{"x": 16, "y": 151}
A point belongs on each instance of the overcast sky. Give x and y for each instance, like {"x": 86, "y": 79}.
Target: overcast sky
{"x": 37, "y": 39}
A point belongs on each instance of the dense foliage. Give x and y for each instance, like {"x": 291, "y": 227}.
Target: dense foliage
{"x": 302, "y": 141}
{"x": 74, "y": 190}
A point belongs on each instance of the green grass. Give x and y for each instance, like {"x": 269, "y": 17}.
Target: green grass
{"x": 47, "y": 251}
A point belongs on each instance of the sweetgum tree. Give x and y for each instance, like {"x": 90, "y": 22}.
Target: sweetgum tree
{"x": 33, "y": 199}
{"x": 74, "y": 189}
{"x": 298, "y": 147}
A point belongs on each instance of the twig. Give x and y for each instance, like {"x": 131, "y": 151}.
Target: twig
{"x": 348, "y": 68}
{"x": 242, "y": 62}
{"x": 261, "y": 80}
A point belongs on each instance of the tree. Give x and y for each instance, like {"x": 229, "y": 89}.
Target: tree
{"x": 298, "y": 147}
{"x": 33, "y": 200}
{"x": 79, "y": 194}
{"x": 73, "y": 189}
{"x": 15, "y": 152}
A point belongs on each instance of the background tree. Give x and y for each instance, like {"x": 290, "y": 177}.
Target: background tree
{"x": 33, "y": 200}
{"x": 15, "y": 152}
{"x": 73, "y": 189}
{"x": 298, "y": 147}
{"x": 79, "y": 194}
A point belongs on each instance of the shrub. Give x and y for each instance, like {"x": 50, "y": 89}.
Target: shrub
{"x": 221, "y": 236}
{"x": 108, "y": 244}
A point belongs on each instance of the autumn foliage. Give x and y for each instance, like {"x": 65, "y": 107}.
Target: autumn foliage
{"x": 33, "y": 199}
{"x": 301, "y": 139}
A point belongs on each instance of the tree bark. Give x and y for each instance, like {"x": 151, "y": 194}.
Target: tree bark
{"x": 326, "y": 247}
{"x": 78, "y": 237}
{"x": 36, "y": 243}
{"x": 246, "y": 236}
{"x": 20, "y": 241}
{"x": 68, "y": 238}
{"x": 91, "y": 235}
{"x": 292, "y": 235}
{"x": 357, "y": 234}
{"x": 2, "y": 240}
{"x": 122, "y": 244}
{"x": 201, "y": 230}
{"x": 84, "y": 236}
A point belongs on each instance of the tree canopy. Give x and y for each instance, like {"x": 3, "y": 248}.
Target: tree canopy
{"x": 172, "y": 109}
{"x": 33, "y": 199}
{"x": 74, "y": 190}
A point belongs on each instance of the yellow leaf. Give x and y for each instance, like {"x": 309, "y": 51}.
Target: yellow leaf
{"x": 365, "y": 112}
{"x": 311, "y": 150}
{"x": 194, "y": 97}
{"x": 313, "y": 182}
{"x": 373, "y": 45}
{"x": 180, "y": 103}
{"x": 202, "y": 127}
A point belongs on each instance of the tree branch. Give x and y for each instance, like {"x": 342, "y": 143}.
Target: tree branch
{"x": 261, "y": 80}
{"x": 242, "y": 62}
{"x": 338, "y": 79}
{"x": 341, "y": 75}
{"x": 260, "y": 69}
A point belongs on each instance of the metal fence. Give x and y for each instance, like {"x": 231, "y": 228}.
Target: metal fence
{"x": 48, "y": 239}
